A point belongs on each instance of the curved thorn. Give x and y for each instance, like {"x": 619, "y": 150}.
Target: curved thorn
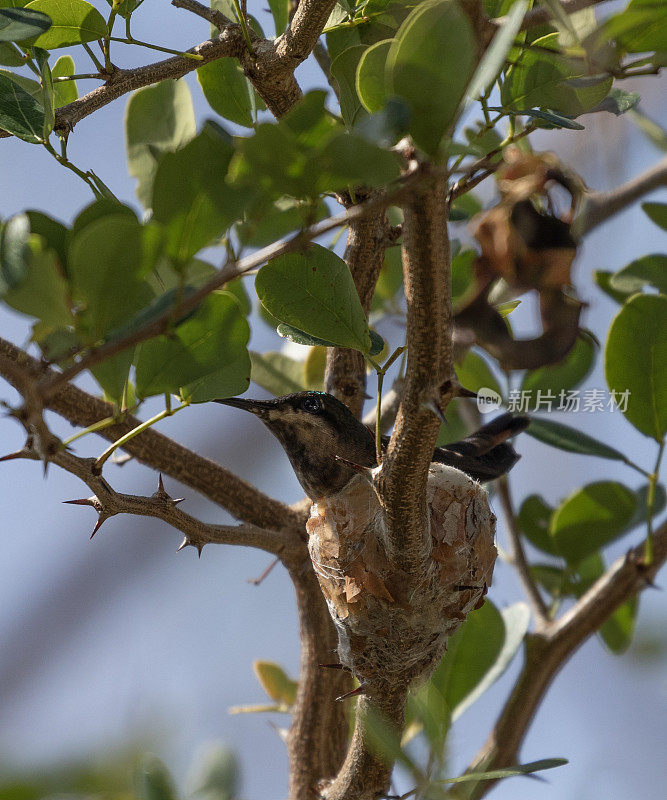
{"x": 361, "y": 689}
{"x": 98, "y": 525}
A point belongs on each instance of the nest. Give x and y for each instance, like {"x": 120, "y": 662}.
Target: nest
{"x": 393, "y": 626}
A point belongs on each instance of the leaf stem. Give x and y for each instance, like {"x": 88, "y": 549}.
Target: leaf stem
{"x": 93, "y": 57}
{"x": 168, "y": 412}
{"x": 83, "y": 76}
{"x": 650, "y": 504}
{"x": 381, "y": 372}
{"x": 64, "y": 161}
{"x": 244, "y": 26}
{"x": 139, "y": 43}
{"x": 96, "y": 426}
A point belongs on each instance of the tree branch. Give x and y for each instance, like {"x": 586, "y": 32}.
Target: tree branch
{"x": 518, "y": 556}
{"x": 598, "y": 207}
{"x": 546, "y": 652}
{"x": 402, "y": 480}
{"x": 152, "y": 448}
{"x": 108, "y": 503}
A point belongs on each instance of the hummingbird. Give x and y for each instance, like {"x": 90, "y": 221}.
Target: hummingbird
{"x": 324, "y": 441}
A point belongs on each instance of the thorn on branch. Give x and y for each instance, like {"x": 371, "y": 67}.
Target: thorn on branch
{"x": 335, "y": 666}
{"x": 187, "y": 543}
{"x": 161, "y": 494}
{"x": 93, "y": 502}
{"x": 361, "y": 689}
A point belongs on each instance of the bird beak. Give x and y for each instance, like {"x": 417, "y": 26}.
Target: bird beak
{"x": 258, "y": 407}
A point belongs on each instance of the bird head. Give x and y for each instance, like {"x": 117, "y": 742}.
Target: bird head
{"x": 319, "y": 434}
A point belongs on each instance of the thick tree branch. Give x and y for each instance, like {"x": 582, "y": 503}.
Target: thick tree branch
{"x": 318, "y": 735}
{"x": 402, "y": 480}
{"x": 152, "y": 448}
{"x": 365, "y": 770}
{"x": 598, "y": 207}
{"x": 546, "y": 652}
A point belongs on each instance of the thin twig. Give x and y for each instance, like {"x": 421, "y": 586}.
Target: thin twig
{"x": 518, "y": 555}
{"x": 598, "y": 207}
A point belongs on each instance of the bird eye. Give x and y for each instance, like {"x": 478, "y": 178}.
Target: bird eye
{"x": 311, "y": 404}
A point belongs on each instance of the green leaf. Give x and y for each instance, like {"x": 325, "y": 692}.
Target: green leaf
{"x": 377, "y": 343}
{"x": 370, "y": 80}
{"x": 275, "y": 682}
{"x": 618, "y": 629}
{"x": 158, "y": 119}
{"x": 72, "y": 22}
{"x": 429, "y": 65}
{"x": 209, "y": 342}
{"x": 277, "y": 373}
{"x": 350, "y": 159}
{"x": 104, "y": 263}
{"x": 126, "y": 7}
{"x": 314, "y": 292}
{"x": 190, "y": 195}
{"x": 462, "y": 273}
{"x": 603, "y": 279}
{"x": 635, "y": 358}
{"x": 591, "y": 518}
{"x": 230, "y": 380}
{"x": 640, "y": 27}
{"x": 618, "y": 101}
{"x": 20, "y": 113}
{"x": 534, "y": 521}
{"x": 103, "y": 207}
{"x": 390, "y": 280}
{"x": 217, "y": 776}
{"x": 227, "y": 90}
{"x": 494, "y": 58}
{"x": 267, "y": 224}
{"x": 561, "y": 377}
{"x": 570, "y": 439}
{"x": 651, "y": 129}
{"x": 297, "y": 336}
{"x": 47, "y": 94}
{"x": 543, "y": 78}
{"x": 42, "y": 292}
{"x": 280, "y": 14}
{"x": 14, "y": 252}
{"x": 508, "y": 772}
{"x": 515, "y": 620}
{"x": 475, "y": 373}
{"x": 53, "y": 232}
{"x": 471, "y": 652}
{"x": 17, "y": 24}
{"x": 387, "y": 126}
{"x": 11, "y": 56}
{"x": 549, "y": 120}
{"x": 112, "y": 374}
{"x": 65, "y": 91}
{"x": 640, "y": 516}
{"x": 553, "y": 580}
{"x": 154, "y": 780}
{"x": 344, "y": 71}
{"x": 646, "y": 271}
{"x": 657, "y": 212}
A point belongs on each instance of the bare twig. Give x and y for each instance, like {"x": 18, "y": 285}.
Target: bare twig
{"x": 518, "y": 556}
{"x": 598, "y": 207}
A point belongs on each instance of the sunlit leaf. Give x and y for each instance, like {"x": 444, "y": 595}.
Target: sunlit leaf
{"x": 72, "y": 22}
{"x": 635, "y": 358}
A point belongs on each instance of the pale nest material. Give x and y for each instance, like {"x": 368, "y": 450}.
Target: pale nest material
{"x": 390, "y": 623}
